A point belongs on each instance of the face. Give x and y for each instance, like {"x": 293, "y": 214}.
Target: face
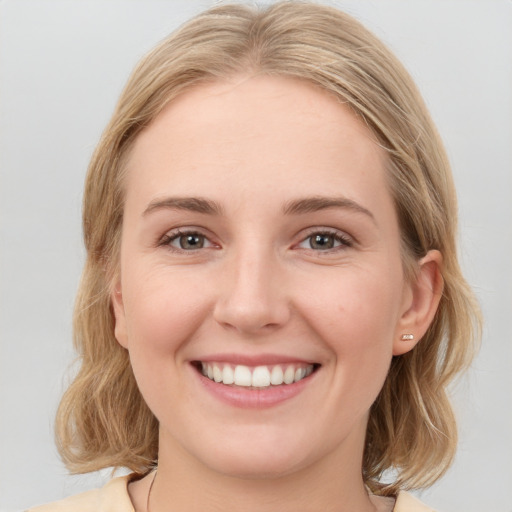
{"x": 261, "y": 291}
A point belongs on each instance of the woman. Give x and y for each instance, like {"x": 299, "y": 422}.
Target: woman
{"x": 271, "y": 307}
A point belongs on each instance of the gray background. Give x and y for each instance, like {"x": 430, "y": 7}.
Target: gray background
{"x": 62, "y": 66}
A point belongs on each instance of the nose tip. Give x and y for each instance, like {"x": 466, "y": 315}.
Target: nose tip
{"x": 252, "y": 301}
{"x": 248, "y": 317}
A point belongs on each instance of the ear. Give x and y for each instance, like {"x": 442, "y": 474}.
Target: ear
{"x": 116, "y": 298}
{"x": 422, "y": 294}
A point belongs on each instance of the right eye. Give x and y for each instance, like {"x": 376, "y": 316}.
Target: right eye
{"x": 185, "y": 241}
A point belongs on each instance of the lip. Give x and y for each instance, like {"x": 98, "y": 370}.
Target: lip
{"x": 251, "y": 398}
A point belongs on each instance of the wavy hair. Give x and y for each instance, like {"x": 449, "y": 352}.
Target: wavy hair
{"x": 103, "y": 420}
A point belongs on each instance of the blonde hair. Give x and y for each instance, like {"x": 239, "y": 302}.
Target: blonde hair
{"x": 103, "y": 420}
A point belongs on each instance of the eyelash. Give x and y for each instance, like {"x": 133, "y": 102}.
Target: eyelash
{"x": 344, "y": 240}
{"x": 341, "y": 238}
{"x": 168, "y": 238}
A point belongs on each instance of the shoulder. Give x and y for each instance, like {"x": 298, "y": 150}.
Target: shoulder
{"x": 406, "y": 502}
{"x": 113, "y": 497}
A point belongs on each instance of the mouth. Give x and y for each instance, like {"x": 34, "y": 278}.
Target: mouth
{"x": 255, "y": 377}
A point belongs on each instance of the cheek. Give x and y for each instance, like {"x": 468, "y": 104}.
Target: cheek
{"x": 163, "y": 311}
{"x": 356, "y": 316}
{"x": 360, "y": 306}
{"x": 163, "y": 308}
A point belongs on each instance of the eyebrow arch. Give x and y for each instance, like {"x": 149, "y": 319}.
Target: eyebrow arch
{"x": 317, "y": 203}
{"x": 191, "y": 204}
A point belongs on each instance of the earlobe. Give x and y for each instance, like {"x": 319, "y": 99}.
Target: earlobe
{"x": 116, "y": 298}
{"x": 425, "y": 293}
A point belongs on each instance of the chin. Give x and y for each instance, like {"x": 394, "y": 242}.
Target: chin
{"x": 257, "y": 468}
{"x": 256, "y": 455}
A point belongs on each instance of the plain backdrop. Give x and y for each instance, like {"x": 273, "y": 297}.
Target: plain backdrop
{"x": 62, "y": 66}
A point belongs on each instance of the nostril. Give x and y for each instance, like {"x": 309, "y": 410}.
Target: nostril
{"x": 251, "y": 320}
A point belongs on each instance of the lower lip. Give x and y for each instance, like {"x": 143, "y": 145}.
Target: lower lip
{"x": 251, "y": 398}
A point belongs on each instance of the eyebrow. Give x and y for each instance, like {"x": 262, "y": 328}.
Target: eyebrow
{"x": 191, "y": 204}
{"x": 295, "y": 207}
{"x": 318, "y": 203}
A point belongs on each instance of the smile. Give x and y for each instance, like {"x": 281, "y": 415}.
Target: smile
{"x": 257, "y": 376}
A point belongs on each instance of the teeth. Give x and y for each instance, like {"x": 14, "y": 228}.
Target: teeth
{"x": 261, "y": 377}
{"x": 217, "y": 374}
{"x": 228, "y": 377}
{"x": 289, "y": 375}
{"x": 276, "y": 377}
{"x": 243, "y": 376}
{"x": 257, "y": 377}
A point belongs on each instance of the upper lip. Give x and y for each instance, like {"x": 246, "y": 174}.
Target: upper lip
{"x": 253, "y": 360}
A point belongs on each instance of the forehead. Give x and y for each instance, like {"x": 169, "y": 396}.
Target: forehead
{"x": 253, "y": 132}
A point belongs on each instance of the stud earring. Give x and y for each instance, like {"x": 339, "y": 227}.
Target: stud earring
{"x": 407, "y": 337}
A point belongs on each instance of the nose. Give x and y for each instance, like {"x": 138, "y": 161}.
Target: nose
{"x": 252, "y": 293}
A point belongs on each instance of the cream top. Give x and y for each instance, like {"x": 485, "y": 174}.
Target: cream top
{"x": 113, "y": 497}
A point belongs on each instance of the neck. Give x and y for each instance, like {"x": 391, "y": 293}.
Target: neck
{"x": 333, "y": 483}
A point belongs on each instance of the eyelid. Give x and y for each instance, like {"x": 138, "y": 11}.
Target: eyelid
{"x": 173, "y": 234}
{"x": 346, "y": 240}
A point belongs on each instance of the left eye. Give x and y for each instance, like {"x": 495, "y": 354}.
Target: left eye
{"x": 324, "y": 241}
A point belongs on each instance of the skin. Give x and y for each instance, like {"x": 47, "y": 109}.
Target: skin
{"x": 259, "y": 285}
